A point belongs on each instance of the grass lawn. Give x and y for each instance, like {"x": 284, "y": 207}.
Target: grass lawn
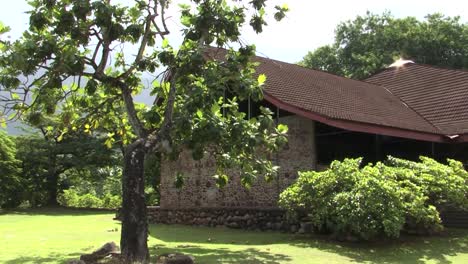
{"x": 57, "y": 235}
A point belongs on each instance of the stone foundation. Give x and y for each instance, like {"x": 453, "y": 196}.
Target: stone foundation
{"x": 274, "y": 219}
{"x": 241, "y": 218}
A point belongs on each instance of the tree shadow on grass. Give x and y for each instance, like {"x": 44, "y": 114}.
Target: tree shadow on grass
{"x": 57, "y": 211}
{"x": 54, "y": 258}
{"x": 211, "y": 235}
{"x": 409, "y": 249}
{"x": 223, "y": 255}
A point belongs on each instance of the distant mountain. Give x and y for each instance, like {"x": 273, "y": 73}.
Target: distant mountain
{"x": 17, "y": 128}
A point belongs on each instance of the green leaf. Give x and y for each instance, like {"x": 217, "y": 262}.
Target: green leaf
{"x": 60, "y": 137}
{"x": 165, "y": 43}
{"x": 3, "y": 122}
{"x": 185, "y": 20}
{"x": 221, "y": 180}
{"x": 91, "y": 87}
{"x": 282, "y": 129}
{"x": 261, "y": 79}
{"x": 109, "y": 142}
{"x": 199, "y": 113}
{"x": 215, "y": 108}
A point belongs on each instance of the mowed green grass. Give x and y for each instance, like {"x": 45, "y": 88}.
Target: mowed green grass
{"x": 58, "y": 235}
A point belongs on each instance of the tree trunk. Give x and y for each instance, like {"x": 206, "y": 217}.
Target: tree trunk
{"x": 134, "y": 236}
{"x": 52, "y": 181}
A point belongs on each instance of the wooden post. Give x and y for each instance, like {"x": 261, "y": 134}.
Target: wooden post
{"x": 378, "y": 148}
{"x": 277, "y": 115}
{"x": 314, "y": 146}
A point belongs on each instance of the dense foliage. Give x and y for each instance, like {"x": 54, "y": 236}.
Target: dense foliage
{"x": 71, "y": 198}
{"x": 34, "y": 169}
{"x": 84, "y": 60}
{"x": 50, "y": 166}
{"x": 99, "y": 188}
{"x": 76, "y": 169}
{"x": 372, "y": 42}
{"x": 381, "y": 199}
{"x": 10, "y": 172}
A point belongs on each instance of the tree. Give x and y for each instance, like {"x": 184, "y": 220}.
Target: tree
{"x": 9, "y": 172}
{"x": 58, "y": 150}
{"x": 372, "y": 42}
{"x": 44, "y": 159}
{"x": 75, "y": 58}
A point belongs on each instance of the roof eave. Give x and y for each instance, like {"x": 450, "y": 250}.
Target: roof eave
{"x": 365, "y": 127}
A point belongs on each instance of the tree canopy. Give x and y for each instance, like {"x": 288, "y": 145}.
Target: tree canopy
{"x": 76, "y": 60}
{"x": 9, "y": 171}
{"x": 45, "y": 163}
{"x": 372, "y": 42}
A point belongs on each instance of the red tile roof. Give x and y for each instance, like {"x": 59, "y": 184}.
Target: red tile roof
{"x": 385, "y": 104}
{"x": 438, "y": 95}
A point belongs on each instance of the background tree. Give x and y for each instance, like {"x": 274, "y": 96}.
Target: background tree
{"x": 372, "y": 42}
{"x": 45, "y": 162}
{"x": 152, "y": 173}
{"x": 10, "y": 172}
{"x": 86, "y": 44}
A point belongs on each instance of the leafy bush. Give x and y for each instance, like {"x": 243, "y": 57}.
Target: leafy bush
{"x": 11, "y": 189}
{"x": 71, "y": 198}
{"x": 443, "y": 185}
{"x": 111, "y": 201}
{"x": 381, "y": 199}
{"x": 89, "y": 201}
{"x": 100, "y": 188}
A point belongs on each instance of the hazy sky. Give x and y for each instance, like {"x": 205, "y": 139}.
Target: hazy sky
{"x": 309, "y": 24}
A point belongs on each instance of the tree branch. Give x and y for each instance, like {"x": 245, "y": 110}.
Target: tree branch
{"x": 105, "y": 56}
{"x": 131, "y": 111}
{"x": 150, "y": 20}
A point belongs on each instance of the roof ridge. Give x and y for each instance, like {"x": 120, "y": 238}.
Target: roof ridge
{"x": 438, "y": 67}
{"x": 312, "y": 69}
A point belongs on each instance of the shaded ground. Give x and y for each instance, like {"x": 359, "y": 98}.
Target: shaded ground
{"x": 57, "y": 235}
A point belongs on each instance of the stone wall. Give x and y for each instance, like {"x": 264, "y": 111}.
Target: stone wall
{"x": 241, "y": 218}
{"x": 260, "y": 218}
{"x": 200, "y": 190}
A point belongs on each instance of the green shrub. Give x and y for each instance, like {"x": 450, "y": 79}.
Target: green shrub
{"x": 152, "y": 196}
{"x": 381, "y": 199}
{"x": 443, "y": 185}
{"x": 71, "y": 198}
{"x": 89, "y": 201}
{"x": 111, "y": 201}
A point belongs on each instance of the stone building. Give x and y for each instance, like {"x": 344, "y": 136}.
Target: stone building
{"x": 405, "y": 110}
